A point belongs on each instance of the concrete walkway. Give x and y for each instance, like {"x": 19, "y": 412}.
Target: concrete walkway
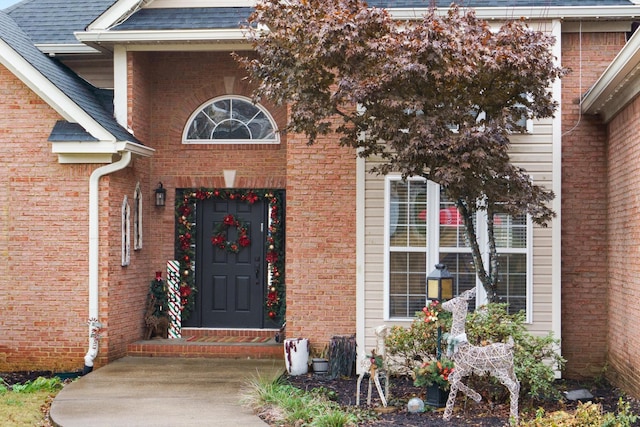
{"x": 156, "y": 391}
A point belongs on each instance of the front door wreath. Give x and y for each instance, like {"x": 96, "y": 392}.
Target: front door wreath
{"x": 219, "y": 238}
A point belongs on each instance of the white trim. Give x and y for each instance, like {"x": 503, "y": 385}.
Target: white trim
{"x": 260, "y": 107}
{"x": 155, "y": 36}
{"x": 95, "y": 151}
{"x": 361, "y": 302}
{"x": 120, "y": 85}
{"x": 386, "y": 247}
{"x": 117, "y": 11}
{"x": 556, "y": 234}
{"x": 163, "y": 4}
{"x": 546, "y": 12}
{"x": 137, "y": 218}
{"x": 433, "y": 250}
{"x": 50, "y": 93}
{"x": 53, "y": 49}
{"x": 619, "y": 83}
{"x": 126, "y": 232}
{"x": 529, "y": 279}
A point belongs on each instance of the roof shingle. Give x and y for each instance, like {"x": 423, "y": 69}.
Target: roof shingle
{"x": 86, "y": 96}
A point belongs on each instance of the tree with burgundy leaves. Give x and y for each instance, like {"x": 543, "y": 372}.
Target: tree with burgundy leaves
{"x": 437, "y": 97}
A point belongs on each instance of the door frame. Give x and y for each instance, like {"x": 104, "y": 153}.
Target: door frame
{"x": 274, "y": 307}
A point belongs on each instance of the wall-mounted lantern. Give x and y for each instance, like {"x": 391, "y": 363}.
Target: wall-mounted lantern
{"x": 161, "y": 195}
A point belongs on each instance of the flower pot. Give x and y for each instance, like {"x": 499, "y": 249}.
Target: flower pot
{"x": 320, "y": 365}
{"x": 436, "y": 396}
{"x": 296, "y": 355}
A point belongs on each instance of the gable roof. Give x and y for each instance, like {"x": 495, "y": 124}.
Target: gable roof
{"x": 54, "y": 21}
{"x": 186, "y": 18}
{"x": 77, "y": 91}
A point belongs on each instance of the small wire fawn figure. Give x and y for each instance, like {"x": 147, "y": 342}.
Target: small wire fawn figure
{"x": 495, "y": 359}
{"x": 374, "y": 370}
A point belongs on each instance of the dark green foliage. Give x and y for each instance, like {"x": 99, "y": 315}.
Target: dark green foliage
{"x": 535, "y": 361}
{"x": 158, "y": 294}
{"x": 536, "y": 357}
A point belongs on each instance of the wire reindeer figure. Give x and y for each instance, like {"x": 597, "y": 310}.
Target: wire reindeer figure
{"x": 495, "y": 359}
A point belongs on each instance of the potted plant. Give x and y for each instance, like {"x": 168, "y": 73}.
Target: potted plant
{"x": 319, "y": 361}
{"x": 434, "y": 374}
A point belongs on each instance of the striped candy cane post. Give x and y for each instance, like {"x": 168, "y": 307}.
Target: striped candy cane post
{"x": 173, "y": 282}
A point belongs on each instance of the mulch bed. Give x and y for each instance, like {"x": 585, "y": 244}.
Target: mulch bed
{"x": 466, "y": 412}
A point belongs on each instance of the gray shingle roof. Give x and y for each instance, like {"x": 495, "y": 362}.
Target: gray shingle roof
{"x": 186, "y": 18}
{"x": 54, "y": 21}
{"x": 232, "y": 17}
{"x": 90, "y": 99}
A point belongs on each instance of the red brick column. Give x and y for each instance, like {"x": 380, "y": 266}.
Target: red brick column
{"x": 584, "y": 207}
{"x": 321, "y": 243}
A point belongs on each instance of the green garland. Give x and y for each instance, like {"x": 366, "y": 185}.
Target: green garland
{"x": 186, "y": 202}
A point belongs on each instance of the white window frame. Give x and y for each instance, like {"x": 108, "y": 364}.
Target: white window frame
{"x": 137, "y": 218}
{"x": 433, "y": 249}
{"x": 276, "y": 135}
{"x": 126, "y": 232}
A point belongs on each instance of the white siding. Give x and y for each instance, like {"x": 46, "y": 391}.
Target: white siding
{"x": 534, "y": 152}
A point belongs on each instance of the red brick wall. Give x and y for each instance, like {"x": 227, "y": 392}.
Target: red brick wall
{"x": 624, "y": 252}
{"x": 44, "y": 245}
{"x": 168, "y": 88}
{"x": 43, "y": 239}
{"x": 321, "y": 244}
{"x": 584, "y": 208}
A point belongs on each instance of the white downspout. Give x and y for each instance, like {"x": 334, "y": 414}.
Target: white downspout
{"x": 94, "y": 234}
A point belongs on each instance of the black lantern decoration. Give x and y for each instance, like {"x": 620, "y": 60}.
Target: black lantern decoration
{"x": 439, "y": 288}
{"x": 161, "y": 195}
{"x": 440, "y": 284}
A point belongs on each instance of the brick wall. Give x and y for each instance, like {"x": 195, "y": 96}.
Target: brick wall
{"x": 321, "y": 270}
{"x": 584, "y": 208}
{"x": 44, "y": 245}
{"x": 624, "y": 252}
{"x": 43, "y": 222}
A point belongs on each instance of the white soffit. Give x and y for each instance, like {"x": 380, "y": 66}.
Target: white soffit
{"x": 164, "y": 4}
{"x": 550, "y": 12}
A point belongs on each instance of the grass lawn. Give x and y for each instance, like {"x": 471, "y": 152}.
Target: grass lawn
{"x": 28, "y": 404}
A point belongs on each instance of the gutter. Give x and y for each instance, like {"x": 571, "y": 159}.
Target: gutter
{"x": 617, "y": 85}
{"x": 94, "y": 323}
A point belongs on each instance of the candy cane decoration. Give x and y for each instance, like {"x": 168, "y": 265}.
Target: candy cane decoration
{"x": 173, "y": 282}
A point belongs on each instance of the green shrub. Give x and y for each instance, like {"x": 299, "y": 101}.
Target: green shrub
{"x": 39, "y": 384}
{"x": 413, "y": 346}
{"x": 535, "y": 357}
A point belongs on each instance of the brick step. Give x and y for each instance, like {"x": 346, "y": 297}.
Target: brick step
{"x": 213, "y": 343}
{"x": 253, "y": 333}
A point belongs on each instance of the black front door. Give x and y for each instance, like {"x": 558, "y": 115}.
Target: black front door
{"x": 230, "y": 272}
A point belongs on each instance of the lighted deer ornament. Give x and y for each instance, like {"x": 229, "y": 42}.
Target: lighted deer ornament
{"x": 495, "y": 359}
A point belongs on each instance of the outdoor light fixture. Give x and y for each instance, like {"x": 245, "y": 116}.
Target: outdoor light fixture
{"x": 161, "y": 195}
{"x": 439, "y": 288}
{"x": 440, "y": 284}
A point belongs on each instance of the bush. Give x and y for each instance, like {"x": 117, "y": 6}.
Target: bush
{"x": 412, "y": 347}
{"x": 535, "y": 357}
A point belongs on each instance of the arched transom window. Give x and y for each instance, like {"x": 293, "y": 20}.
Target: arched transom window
{"x": 231, "y": 120}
